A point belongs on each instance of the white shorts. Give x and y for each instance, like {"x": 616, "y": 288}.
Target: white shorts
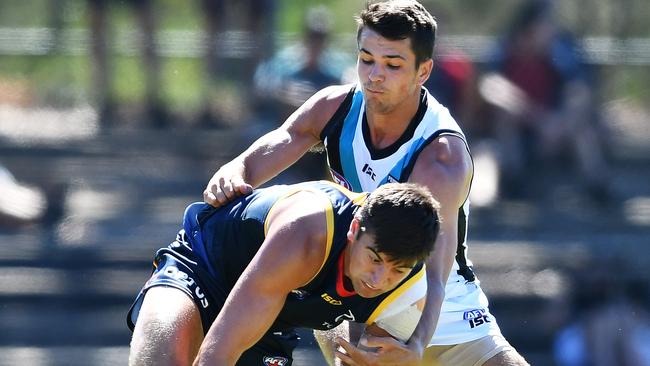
{"x": 464, "y": 316}
{"x": 473, "y": 353}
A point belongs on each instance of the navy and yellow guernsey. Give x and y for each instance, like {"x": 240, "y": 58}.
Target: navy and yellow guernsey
{"x": 226, "y": 239}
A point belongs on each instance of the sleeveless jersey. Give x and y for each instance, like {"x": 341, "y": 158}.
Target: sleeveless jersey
{"x": 358, "y": 166}
{"x": 226, "y": 239}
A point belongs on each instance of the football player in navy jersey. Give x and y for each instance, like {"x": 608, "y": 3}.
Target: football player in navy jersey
{"x": 238, "y": 279}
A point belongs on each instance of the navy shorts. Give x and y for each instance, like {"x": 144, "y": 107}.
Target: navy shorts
{"x": 176, "y": 266}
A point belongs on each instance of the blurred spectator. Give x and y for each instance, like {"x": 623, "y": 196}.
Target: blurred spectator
{"x": 453, "y": 84}
{"x": 294, "y": 74}
{"x": 298, "y": 71}
{"x": 547, "y": 109}
{"x": 255, "y": 19}
{"x": 106, "y": 103}
{"x": 610, "y": 323}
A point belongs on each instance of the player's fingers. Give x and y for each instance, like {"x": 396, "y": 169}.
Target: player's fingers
{"x": 347, "y": 346}
{"x": 345, "y": 358}
{"x": 239, "y": 186}
{"x": 208, "y": 197}
{"x": 352, "y": 351}
{"x": 221, "y": 198}
{"x": 381, "y": 342}
{"x": 228, "y": 190}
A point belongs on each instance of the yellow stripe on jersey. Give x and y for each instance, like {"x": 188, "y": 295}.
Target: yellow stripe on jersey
{"x": 356, "y": 198}
{"x": 396, "y": 293}
{"x": 329, "y": 217}
{"x": 268, "y": 214}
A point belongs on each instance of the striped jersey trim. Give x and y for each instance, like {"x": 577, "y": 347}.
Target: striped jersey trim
{"x": 329, "y": 217}
{"x": 395, "y": 294}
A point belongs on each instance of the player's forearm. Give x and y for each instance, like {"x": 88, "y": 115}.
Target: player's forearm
{"x": 206, "y": 360}
{"x": 268, "y": 156}
{"x": 212, "y": 353}
{"x": 429, "y": 319}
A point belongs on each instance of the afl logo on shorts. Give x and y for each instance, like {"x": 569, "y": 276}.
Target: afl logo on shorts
{"x": 338, "y": 178}
{"x": 477, "y": 317}
{"x": 275, "y": 361}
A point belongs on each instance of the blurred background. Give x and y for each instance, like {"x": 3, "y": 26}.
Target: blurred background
{"x": 114, "y": 115}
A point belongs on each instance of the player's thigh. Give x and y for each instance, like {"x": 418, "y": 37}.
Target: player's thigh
{"x": 168, "y": 330}
{"x": 432, "y": 355}
{"x": 507, "y": 358}
{"x": 490, "y": 350}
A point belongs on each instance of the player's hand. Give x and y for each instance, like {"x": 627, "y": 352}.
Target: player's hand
{"x": 378, "y": 351}
{"x": 223, "y": 188}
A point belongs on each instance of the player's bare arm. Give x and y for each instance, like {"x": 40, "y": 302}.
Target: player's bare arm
{"x": 290, "y": 257}
{"x": 446, "y": 168}
{"x": 276, "y": 150}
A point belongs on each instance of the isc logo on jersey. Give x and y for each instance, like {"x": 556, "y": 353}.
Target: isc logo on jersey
{"x": 476, "y": 317}
{"x": 275, "y": 361}
{"x": 369, "y": 172}
{"x": 330, "y": 299}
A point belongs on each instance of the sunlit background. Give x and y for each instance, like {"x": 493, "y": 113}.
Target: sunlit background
{"x": 114, "y": 115}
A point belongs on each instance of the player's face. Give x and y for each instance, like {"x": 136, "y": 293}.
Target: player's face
{"x": 371, "y": 272}
{"x": 387, "y": 71}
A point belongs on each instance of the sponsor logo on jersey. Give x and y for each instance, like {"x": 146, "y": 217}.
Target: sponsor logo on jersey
{"x": 338, "y": 178}
{"x": 275, "y": 361}
{"x": 330, "y": 299}
{"x": 347, "y": 316}
{"x": 476, "y": 317}
{"x": 369, "y": 172}
{"x": 299, "y": 294}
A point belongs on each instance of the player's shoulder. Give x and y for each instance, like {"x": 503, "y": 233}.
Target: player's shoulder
{"x": 303, "y": 208}
{"x": 327, "y": 100}
{"x": 445, "y": 159}
{"x": 302, "y": 217}
{"x": 447, "y": 150}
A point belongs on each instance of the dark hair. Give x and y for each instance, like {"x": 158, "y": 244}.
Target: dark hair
{"x": 401, "y": 19}
{"x": 403, "y": 218}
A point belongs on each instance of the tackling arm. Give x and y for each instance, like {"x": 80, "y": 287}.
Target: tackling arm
{"x": 296, "y": 236}
{"x": 446, "y": 168}
{"x": 277, "y": 150}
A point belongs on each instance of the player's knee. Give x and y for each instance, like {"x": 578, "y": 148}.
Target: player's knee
{"x": 167, "y": 332}
{"x": 162, "y": 344}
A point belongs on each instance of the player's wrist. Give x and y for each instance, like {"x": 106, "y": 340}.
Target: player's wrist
{"x": 417, "y": 347}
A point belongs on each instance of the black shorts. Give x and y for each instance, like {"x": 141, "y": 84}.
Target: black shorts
{"x": 176, "y": 266}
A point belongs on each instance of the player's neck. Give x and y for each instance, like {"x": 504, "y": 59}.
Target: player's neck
{"x": 386, "y": 128}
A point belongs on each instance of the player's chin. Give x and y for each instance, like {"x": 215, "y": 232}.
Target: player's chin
{"x": 366, "y": 291}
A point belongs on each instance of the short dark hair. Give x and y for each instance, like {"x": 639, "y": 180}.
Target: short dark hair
{"x": 401, "y": 19}
{"x": 403, "y": 219}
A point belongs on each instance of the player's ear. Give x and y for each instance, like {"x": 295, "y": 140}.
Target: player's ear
{"x": 353, "y": 232}
{"x": 424, "y": 71}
